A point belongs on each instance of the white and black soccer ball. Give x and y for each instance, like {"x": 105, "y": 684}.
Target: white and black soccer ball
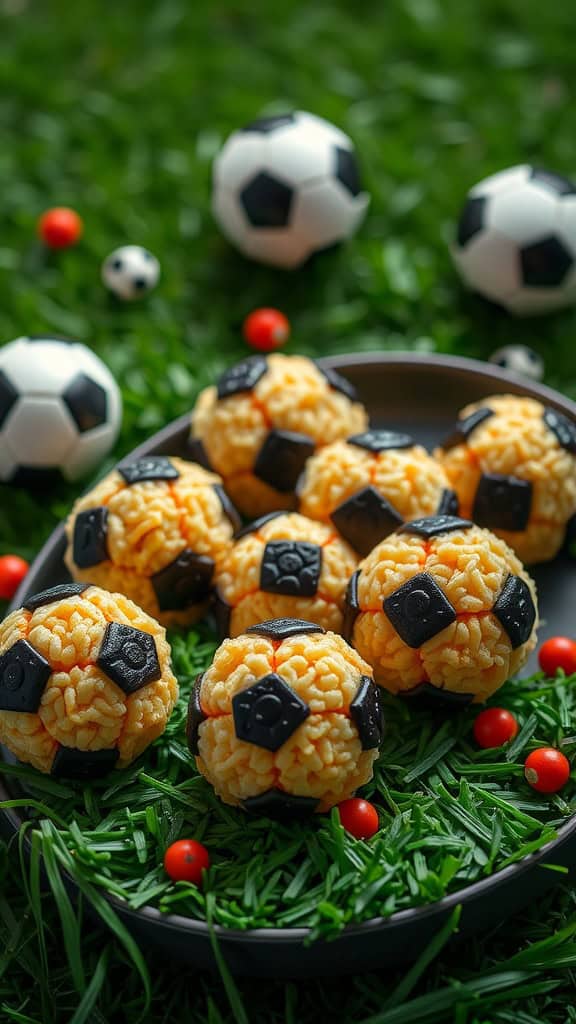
{"x": 286, "y": 187}
{"x": 60, "y": 410}
{"x": 516, "y": 240}
{"x": 130, "y": 272}
{"x": 519, "y": 359}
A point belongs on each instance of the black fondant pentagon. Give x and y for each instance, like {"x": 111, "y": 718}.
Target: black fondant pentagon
{"x": 268, "y": 124}
{"x": 338, "y": 382}
{"x": 282, "y": 629}
{"x": 129, "y": 657}
{"x": 195, "y": 716}
{"x": 196, "y": 452}
{"x": 70, "y": 763}
{"x": 557, "y": 183}
{"x": 347, "y": 171}
{"x": 291, "y": 567}
{"x": 282, "y": 806}
{"x": 228, "y": 508}
{"x": 563, "y": 428}
{"x": 367, "y": 714}
{"x": 545, "y": 264}
{"x": 448, "y": 504}
{"x": 23, "y": 676}
{"x": 222, "y": 615}
{"x": 89, "y": 540}
{"x": 256, "y": 524}
{"x": 466, "y": 426}
{"x": 8, "y": 397}
{"x": 52, "y": 594}
{"x": 419, "y": 610}
{"x": 381, "y": 440}
{"x": 351, "y": 606}
{"x": 281, "y": 459}
{"x": 430, "y": 698}
{"x": 87, "y": 402}
{"x": 149, "y": 467}
{"x": 267, "y": 201}
{"x": 515, "y": 611}
{"x": 365, "y": 519}
{"x": 267, "y": 713}
{"x": 502, "y": 502}
{"x": 242, "y": 376}
{"x": 184, "y": 582}
{"x": 435, "y": 526}
{"x": 471, "y": 219}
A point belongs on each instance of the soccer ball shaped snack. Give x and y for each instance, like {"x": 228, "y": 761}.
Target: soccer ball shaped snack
{"x": 287, "y": 718}
{"x": 442, "y": 609}
{"x": 263, "y": 419}
{"x": 153, "y": 529}
{"x": 369, "y": 484}
{"x": 512, "y": 462}
{"x": 86, "y": 682}
{"x": 283, "y": 565}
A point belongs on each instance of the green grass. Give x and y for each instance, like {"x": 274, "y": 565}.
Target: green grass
{"x": 118, "y": 110}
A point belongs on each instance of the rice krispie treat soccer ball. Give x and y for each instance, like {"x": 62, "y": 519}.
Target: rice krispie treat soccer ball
{"x": 512, "y": 462}
{"x": 263, "y": 419}
{"x": 154, "y": 529}
{"x": 86, "y": 682}
{"x": 286, "y": 719}
{"x": 369, "y": 484}
{"x": 284, "y": 565}
{"x": 442, "y": 609}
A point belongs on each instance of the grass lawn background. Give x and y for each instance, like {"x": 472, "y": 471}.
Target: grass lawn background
{"x": 118, "y": 110}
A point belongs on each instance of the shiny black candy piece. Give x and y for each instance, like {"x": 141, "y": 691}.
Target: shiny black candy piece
{"x": 448, "y": 504}
{"x": 282, "y": 629}
{"x": 195, "y": 716}
{"x": 267, "y": 713}
{"x": 563, "y": 428}
{"x": 89, "y": 541}
{"x": 281, "y": 806}
{"x": 502, "y": 502}
{"x": 465, "y": 427}
{"x": 339, "y": 383}
{"x": 381, "y": 441}
{"x": 432, "y": 698}
{"x": 291, "y": 567}
{"x": 419, "y": 610}
{"x": 129, "y": 657}
{"x": 184, "y": 582}
{"x": 222, "y": 613}
{"x": 23, "y": 676}
{"x": 367, "y": 715}
{"x": 71, "y": 763}
{"x": 281, "y": 459}
{"x": 242, "y": 377}
{"x": 59, "y": 593}
{"x": 515, "y": 611}
{"x": 256, "y": 524}
{"x": 435, "y": 526}
{"x": 227, "y": 507}
{"x": 351, "y": 606}
{"x": 365, "y": 519}
{"x": 150, "y": 467}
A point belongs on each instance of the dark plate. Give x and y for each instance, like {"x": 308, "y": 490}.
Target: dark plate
{"x": 421, "y": 395}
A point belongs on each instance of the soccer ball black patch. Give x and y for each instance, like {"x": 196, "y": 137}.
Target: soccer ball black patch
{"x": 257, "y": 524}
{"x": 23, "y": 676}
{"x": 471, "y": 219}
{"x": 351, "y": 606}
{"x": 195, "y": 716}
{"x": 87, "y": 402}
{"x": 281, "y": 459}
{"x": 268, "y": 124}
{"x": 419, "y": 610}
{"x": 129, "y": 657}
{"x": 347, "y": 170}
{"x": 557, "y": 183}
{"x": 267, "y": 201}
{"x": 381, "y": 440}
{"x": 276, "y": 804}
{"x": 282, "y": 629}
{"x": 227, "y": 507}
{"x": 545, "y": 264}
{"x": 184, "y": 582}
{"x": 466, "y": 426}
{"x": 563, "y": 429}
{"x": 502, "y": 502}
{"x": 448, "y": 504}
{"x": 267, "y": 713}
{"x": 150, "y": 467}
{"x": 515, "y": 611}
{"x": 8, "y": 397}
{"x": 366, "y": 713}
{"x": 89, "y": 541}
{"x": 58, "y": 593}
{"x": 338, "y": 382}
{"x": 365, "y": 519}
{"x": 291, "y": 567}
{"x": 435, "y": 526}
{"x": 70, "y": 763}
{"x": 242, "y": 376}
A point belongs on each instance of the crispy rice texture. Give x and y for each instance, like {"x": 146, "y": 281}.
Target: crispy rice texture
{"x": 323, "y": 758}
{"x": 473, "y": 654}
{"x": 517, "y": 442}
{"x": 81, "y": 707}
{"x": 292, "y": 395}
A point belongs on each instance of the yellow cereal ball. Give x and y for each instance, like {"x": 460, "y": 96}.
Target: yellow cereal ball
{"x": 284, "y": 565}
{"x": 443, "y": 610}
{"x": 286, "y": 719}
{"x": 263, "y": 419}
{"x": 512, "y": 462}
{"x": 156, "y": 530}
{"x": 369, "y": 484}
{"x": 85, "y": 681}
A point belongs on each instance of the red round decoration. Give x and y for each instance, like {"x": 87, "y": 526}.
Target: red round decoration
{"x": 12, "y": 571}
{"x": 494, "y": 727}
{"x": 558, "y": 652}
{"x": 185, "y": 860}
{"x": 359, "y": 817}
{"x": 60, "y": 227}
{"x": 547, "y": 770}
{"x": 266, "y": 329}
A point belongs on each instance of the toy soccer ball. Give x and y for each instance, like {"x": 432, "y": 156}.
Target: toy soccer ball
{"x": 286, "y": 187}
{"x": 286, "y": 719}
{"x": 516, "y": 240}
{"x": 368, "y": 485}
{"x": 512, "y": 463}
{"x": 263, "y": 419}
{"x": 443, "y": 610}
{"x": 60, "y": 410}
{"x": 86, "y": 682}
{"x": 284, "y": 565}
{"x": 519, "y": 359}
{"x": 130, "y": 272}
{"x": 155, "y": 530}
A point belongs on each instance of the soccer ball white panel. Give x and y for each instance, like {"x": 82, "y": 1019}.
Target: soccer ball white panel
{"x": 88, "y": 450}
{"x": 228, "y": 213}
{"x": 37, "y": 366}
{"x": 40, "y": 432}
{"x": 235, "y": 163}
{"x": 281, "y": 247}
{"x": 490, "y": 265}
{"x": 525, "y": 214}
{"x": 502, "y": 181}
{"x": 130, "y": 272}
{"x": 296, "y": 160}
{"x": 326, "y": 214}
{"x": 321, "y": 128}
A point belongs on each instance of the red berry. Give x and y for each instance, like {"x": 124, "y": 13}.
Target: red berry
{"x": 558, "y": 652}
{"x": 547, "y": 770}
{"x": 12, "y": 571}
{"x": 359, "y": 817}
{"x": 266, "y": 329}
{"x": 494, "y": 727}
{"x": 185, "y": 861}
{"x": 60, "y": 227}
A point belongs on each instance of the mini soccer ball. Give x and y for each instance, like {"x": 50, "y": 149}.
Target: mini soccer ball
{"x": 60, "y": 410}
{"x": 286, "y": 187}
{"x": 130, "y": 272}
{"x": 86, "y": 682}
{"x": 286, "y": 719}
{"x": 283, "y": 565}
{"x": 519, "y": 359}
{"x": 516, "y": 240}
{"x": 368, "y": 485}
{"x": 155, "y": 530}
{"x": 512, "y": 463}
{"x": 263, "y": 419}
{"x": 442, "y": 610}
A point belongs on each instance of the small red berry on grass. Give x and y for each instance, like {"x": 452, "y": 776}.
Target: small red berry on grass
{"x": 12, "y": 571}
{"x": 547, "y": 770}
{"x": 359, "y": 817}
{"x": 266, "y": 329}
{"x": 558, "y": 652}
{"x": 494, "y": 727}
{"x": 60, "y": 227}
{"x": 185, "y": 860}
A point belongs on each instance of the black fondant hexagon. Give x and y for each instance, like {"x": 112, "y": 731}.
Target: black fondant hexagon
{"x": 228, "y": 508}
{"x": 257, "y": 524}
{"x": 556, "y": 183}
{"x": 267, "y": 713}
{"x": 195, "y": 716}
{"x": 90, "y": 537}
{"x": 23, "y": 676}
{"x": 196, "y": 452}
{"x": 58, "y": 593}
{"x": 267, "y": 201}
{"x": 545, "y": 264}
{"x": 71, "y": 763}
{"x": 243, "y": 376}
{"x": 87, "y": 402}
{"x": 222, "y": 615}
{"x": 347, "y": 171}
{"x": 435, "y": 526}
{"x": 268, "y": 124}
{"x": 563, "y": 428}
{"x": 129, "y": 657}
{"x": 338, "y": 382}
{"x": 184, "y": 582}
{"x": 430, "y": 697}
{"x": 466, "y": 426}
{"x": 149, "y": 467}
{"x": 419, "y": 610}
{"x": 351, "y": 606}
{"x": 8, "y": 397}
{"x": 515, "y": 611}
{"x": 448, "y": 504}
{"x": 381, "y": 440}
{"x": 502, "y": 502}
{"x": 471, "y": 219}
{"x": 365, "y": 519}
{"x": 367, "y": 714}
{"x": 282, "y": 629}
{"x": 281, "y": 459}
{"x": 291, "y": 567}
{"x": 282, "y": 806}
